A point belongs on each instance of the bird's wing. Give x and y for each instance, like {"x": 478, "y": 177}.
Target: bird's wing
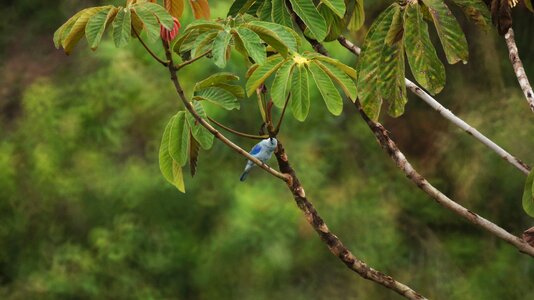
{"x": 255, "y": 150}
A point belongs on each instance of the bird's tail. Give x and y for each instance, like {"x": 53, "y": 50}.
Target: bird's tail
{"x": 244, "y": 175}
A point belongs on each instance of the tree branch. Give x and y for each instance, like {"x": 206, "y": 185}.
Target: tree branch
{"x": 188, "y": 62}
{"x": 447, "y": 114}
{"x": 164, "y": 63}
{"x": 518, "y": 68}
{"x": 335, "y": 245}
{"x": 241, "y": 134}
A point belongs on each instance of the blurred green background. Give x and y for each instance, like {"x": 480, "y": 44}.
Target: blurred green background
{"x": 86, "y": 214}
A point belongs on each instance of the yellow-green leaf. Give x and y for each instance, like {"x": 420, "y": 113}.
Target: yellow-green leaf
{"x": 528, "y": 195}
{"x": 337, "y": 6}
{"x": 179, "y": 139}
{"x": 328, "y": 90}
{"x": 300, "y": 97}
{"x": 307, "y": 11}
{"x": 340, "y": 77}
{"x": 218, "y": 96}
{"x": 168, "y": 167}
{"x": 262, "y": 72}
{"x": 77, "y": 31}
{"x": 97, "y": 25}
{"x": 282, "y": 83}
{"x": 122, "y": 26}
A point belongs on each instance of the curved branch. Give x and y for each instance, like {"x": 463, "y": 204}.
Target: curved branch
{"x": 518, "y": 68}
{"x": 192, "y": 60}
{"x": 238, "y": 133}
{"x": 164, "y": 63}
{"x": 289, "y": 176}
{"x": 335, "y": 245}
{"x": 447, "y": 114}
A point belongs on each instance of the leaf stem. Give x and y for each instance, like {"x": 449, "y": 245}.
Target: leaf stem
{"x": 188, "y": 62}
{"x": 164, "y": 63}
{"x": 241, "y": 134}
{"x": 282, "y": 115}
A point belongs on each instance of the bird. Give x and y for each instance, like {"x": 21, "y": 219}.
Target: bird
{"x": 262, "y": 151}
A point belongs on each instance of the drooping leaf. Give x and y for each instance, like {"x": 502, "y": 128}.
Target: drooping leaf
{"x": 97, "y": 25}
{"x": 164, "y": 18}
{"x": 300, "y": 98}
{"x": 307, "y": 11}
{"x": 252, "y": 44}
{"x": 174, "y": 7}
{"x": 262, "y": 73}
{"x": 75, "y": 32}
{"x": 179, "y": 139}
{"x": 240, "y": 6}
{"x": 391, "y": 77}
{"x": 337, "y": 6}
{"x": 64, "y": 29}
{"x": 450, "y": 34}
{"x": 194, "y": 150}
{"x": 335, "y": 24}
{"x": 200, "y": 133}
{"x": 476, "y": 10}
{"x": 369, "y": 62}
{"x": 358, "y": 16}
{"x": 282, "y": 83}
{"x": 122, "y": 26}
{"x": 424, "y": 62}
{"x": 220, "y": 48}
{"x": 218, "y": 96}
{"x": 264, "y": 12}
{"x": 168, "y": 167}
{"x": 280, "y": 14}
{"x": 201, "y": 9}
{"x": 204, "y": 42}
{"x": 203, "y": 25}
{"x": 346, "y": 69}
{"x": 328, "y": 90}
{"x": 277, "y": 36}
{"x": 236, "y": 90}
{"x": 215, "y": 79}
{"x": 150, "y": 21}
{"x": 528, "y": 195}
{"x": 340, "y": 77}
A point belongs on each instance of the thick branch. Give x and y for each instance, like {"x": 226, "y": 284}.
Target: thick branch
{"x": 518, "y": 68}
{"x": 332, "y": 241}
{"x": 201, "y": 121}
{"x": 447, "y": 114}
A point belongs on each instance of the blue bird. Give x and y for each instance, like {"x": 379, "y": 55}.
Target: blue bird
{"x": 262, "y": 151}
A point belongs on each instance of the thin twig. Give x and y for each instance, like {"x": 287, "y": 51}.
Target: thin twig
{"x": 282, "y": 115}
{"x": 164, "y": 63}
{"x": 447, "y": 114}
{"x": 518, "y": 68}
{"x": 241, "y": 134}
{"x": 188, "y": 62}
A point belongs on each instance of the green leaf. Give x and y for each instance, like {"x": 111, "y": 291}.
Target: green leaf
{"x": 328, "y": 90}
{"x": 300, "y": 98}
{"x": 391, "y": 78}
{"x": 218, "y": 96}
{"x": 450, "y": 34}
{"x": 203, "y": 42}
{"x": 528, "y": 4}
{"x": 477, "y": 11}
{"x": 253, "y": 44}
{"x": 334, "y": 23}
{"x": 280, "y": 14}
{"x": 240, "y": 6}
{"x": 282, "y": 83}
{"x": 122, "y": 27}
{"x": 262, "y": 73}
{"x": 337, "y": 6}
{"x": 369, "y": 63}
{"x": 424, "y": 62}
{"x": 277, "y": 36}
{"x": 149, "y": 20}
{"x": 64, "y": 29}
{"x": 203, "y": 25}
{"x": 179, "y": 139}
{"x": 169, "y": 168}
{"x": 194, "y": 148}
{"x": 220, "y": 49}
{"x": 97, "y": 25}
{"x": 74, "y": 33}
{"x": 200, "y": 133}
{"x": 346, "y": 69}
{"x": 358, "y": 16}
{"x": 164, "y": 18}
{"x": 236, "y": 90}
{"x": 306, "y": 10}
{"x": 264, "y": 12}
{"x": 340, "y": 77}
{"x": 528, "y": 195}
{"x": 215, "y": 79}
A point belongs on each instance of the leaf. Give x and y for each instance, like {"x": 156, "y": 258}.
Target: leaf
{"x": 218, "y": 96}
{"x": 169, "y": 168}
{"x": 204, "y": 42}
{"x": 203, "y": 25}
{"x": 337, "y": 6}
{"x": 264, "y": 12}
{"x": 391, "y": 77}
{"x": 97, "y": 25}
{"x": 277, "y": 36}
{"x": 200, "y": 133}
{"x": 424, "y": 62}
{"x": 77, "y": 31}
{"x": 174, "y": 7}
{"x": 300, "y": 98}
{"x": 194, "y": 149}
{"x": 346, "y": 69}
{"x": 341, "y": 78}
{"x": 215, "y": 79}
{"x": 201, "y": 9}
{"x": 220, "y": 48}
{"x": 476, "y": 10}
{"x": 369, "y": 63}
{"x": 164, "y": 18}
{"x": 328, "y": 90}
{"x": 358, "y": 16}
{"x": 150, "y": 21}
{"x": 236, "y": 90}
{"x": 528, "y": 4}
{"x": 240, "y": 6}
{"x": 282, "y": 83}
{"x": 122, "y": 27}
{"x": 306, "y": 10}
{"x": 450, "y": 34}
{"x": 262, "y": 73}
{"x": 280, "y": 14}
{"x": 528, "y": 195}
{"x": 253, "y": 45}
{"x": 179, "y": 139}
{"x": 64, "y": 29}
{"x": 334, "y": 23}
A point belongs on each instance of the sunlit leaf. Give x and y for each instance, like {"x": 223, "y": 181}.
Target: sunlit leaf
{"x": 339, "y": 77}
{"x": 300, "y": 97}
{"x": 218, "y": 96}
{"x": 277, "y": 36}
{"x": 204, "y": 42}
{"x": 170, "y": 169}
{"x": 179, "y": 139}
{"x": 64, "y": 29}
{"x": 75, "y": 32}
{"x": 252, "y": 44}
{"x": 307, "y": 11}
{"x": 215, "y": 79}
{"x": 150, "y": 21}
{"x": 528, "y": 194}
{"x": 282, "y": 83}
{"x": 178, "y": 177}
{"x": 200, "y": 133}
{"x": 328, "y": 90}
{"x": 97, "y": 25}
{"x": 337, "y": 6}
{"x": 164, "y": 18}
{"x": 358, "y": 16}
{"x": 280, "y": 14}
{"x": 220, "y": 48}
{"x": 262, "y": 73}
{"x": 122, "y": 27}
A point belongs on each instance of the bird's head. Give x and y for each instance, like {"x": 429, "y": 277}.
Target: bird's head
{"x": 270, "y": 142}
